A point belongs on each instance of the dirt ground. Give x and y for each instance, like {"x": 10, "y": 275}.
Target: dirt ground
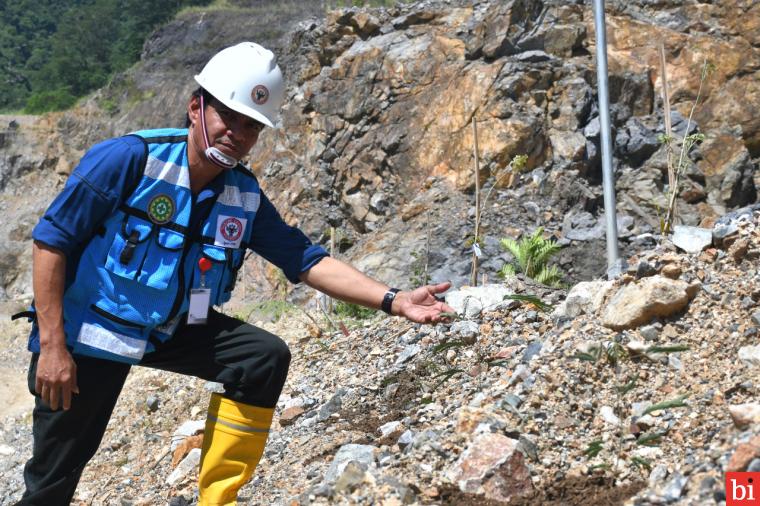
{"x": 14, "y": 361}
{"x": 13, "y": 391}
{"x": 597, "y": 490}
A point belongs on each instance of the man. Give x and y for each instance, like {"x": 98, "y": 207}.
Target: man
{"x": 129, "y": 260}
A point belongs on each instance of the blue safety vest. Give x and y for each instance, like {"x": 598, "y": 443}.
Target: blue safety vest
{"x": 135, "y": 276}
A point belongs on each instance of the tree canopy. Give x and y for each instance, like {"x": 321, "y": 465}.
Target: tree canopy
{"x": 53, "y": 52}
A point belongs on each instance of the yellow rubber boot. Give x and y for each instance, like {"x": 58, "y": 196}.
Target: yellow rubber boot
{"x": 233, "y": 443}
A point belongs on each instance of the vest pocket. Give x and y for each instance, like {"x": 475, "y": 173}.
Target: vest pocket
{"x": 162, "y": 259}
{"x": 129, "y": 247}
{"x": 110, "y": 336}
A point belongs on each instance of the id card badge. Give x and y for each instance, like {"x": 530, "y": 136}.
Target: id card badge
{"x": 199, "y": 301}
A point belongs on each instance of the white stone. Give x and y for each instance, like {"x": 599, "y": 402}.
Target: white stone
{"x": 692, "y": 239}
{"x": 637, "y": 346}
{"x": 361, "y": 454}
{"x": 465, "y": 328}
{"x": 389, "y": 428}
{"x": 745, "y": 414}
{"x": 608, "y": 414}
{"x": 750, "y": 355}
{"x": 188, "y": 464}
{"x": 294, "y": 402}
{"x": 585, "y": 297}
{"x": 658, "y": 475}
{"x": 187, "y": 429}
{"x": 649, "y": 453}
{"x": 407, "y": 353}
{"x": 471, "y": 300}
{"x": 638, "y": 408}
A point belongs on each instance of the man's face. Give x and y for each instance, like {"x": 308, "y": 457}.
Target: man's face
{"x": 229, "y": 131}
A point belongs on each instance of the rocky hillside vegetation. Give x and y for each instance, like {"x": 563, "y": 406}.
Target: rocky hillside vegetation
{"x": 639, "y": 389}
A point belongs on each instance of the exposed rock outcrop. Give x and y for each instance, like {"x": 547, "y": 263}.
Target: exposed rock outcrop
{"x": 380, "y": 100}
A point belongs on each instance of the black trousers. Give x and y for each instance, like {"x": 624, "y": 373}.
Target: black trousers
{"x": 251, "y": 363}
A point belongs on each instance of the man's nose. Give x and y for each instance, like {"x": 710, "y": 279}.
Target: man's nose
{"x": 235, "y": 124}
{"x": 235, "y": 127}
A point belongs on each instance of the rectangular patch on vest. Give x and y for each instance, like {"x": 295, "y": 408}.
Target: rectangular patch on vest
{"x": 229, "y": 231}
{"x": 110, "y": 341}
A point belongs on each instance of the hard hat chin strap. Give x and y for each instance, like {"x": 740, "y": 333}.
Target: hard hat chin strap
{"x": 213, "y": 154}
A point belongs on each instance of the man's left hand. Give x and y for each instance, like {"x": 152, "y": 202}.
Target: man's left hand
{"x": 422, "y": 305}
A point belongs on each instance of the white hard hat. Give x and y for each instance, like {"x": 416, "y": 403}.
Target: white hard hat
{"x": 245, "y": 78}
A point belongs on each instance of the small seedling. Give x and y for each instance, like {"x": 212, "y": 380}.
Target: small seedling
{"x": 652, "y": 439}
{"x": 594, "y": 448}
{"x": 612, "y": 354}
{"x": 641, "y": 462}
{"x": 677, "y": 165}
{"x": 532, "y": 255}
{"x": 667, "y": 349}
{"x": 445, "y": 376}
{"x": 591, "y": 356}
{"x": 440, "y": 348}
{"x": 624, "y": 389}
{"x": 678, "y": 402}
{"x": 497, "y": 363}
{"x": 615, "y": 353}
{"x": 530, "y": 299}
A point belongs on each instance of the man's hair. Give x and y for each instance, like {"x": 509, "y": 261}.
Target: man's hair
{"x": 207, "y": 98}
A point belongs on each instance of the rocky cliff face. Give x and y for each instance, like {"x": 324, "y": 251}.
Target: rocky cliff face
{"x": 381, "y": 101}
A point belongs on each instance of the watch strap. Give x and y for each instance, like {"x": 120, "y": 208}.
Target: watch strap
{"x": 388, "y": 300}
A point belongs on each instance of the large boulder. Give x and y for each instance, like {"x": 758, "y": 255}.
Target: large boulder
{"x": 584, "y": 298}
{"x": 640, "y": 302}
{"x": 493, "y": 466}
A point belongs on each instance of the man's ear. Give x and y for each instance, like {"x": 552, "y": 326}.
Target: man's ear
{"x": 194, "y": 109}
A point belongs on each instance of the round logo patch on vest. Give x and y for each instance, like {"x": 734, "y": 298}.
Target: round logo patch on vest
{"x": 161, "y": 209}
{"x": 260, "y": 94}
{"x": 231, "y": 229}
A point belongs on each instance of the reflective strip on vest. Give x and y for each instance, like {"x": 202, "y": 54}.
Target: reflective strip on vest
{"x": 233, "y": 197}
{"x": 167, "y": 171}
{"x": 112, "y": 342}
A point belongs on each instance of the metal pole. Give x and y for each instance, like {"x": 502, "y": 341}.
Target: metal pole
{"x": 475, "y": 245}
{"x": 614, "y": 266}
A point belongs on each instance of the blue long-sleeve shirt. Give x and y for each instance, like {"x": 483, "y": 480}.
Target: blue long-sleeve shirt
{"x": 108, "y": 173}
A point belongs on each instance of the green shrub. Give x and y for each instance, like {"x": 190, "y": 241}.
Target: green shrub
{"x": 355, "y": 311}
{"x": 532, "y": 254}
{"x": 53, "y": 100}
{"x": 268, "y": 309}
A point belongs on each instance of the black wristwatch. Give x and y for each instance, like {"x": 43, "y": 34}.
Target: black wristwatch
{"x": 388, "y": 300}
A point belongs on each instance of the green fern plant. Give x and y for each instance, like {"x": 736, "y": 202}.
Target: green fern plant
{"x": 532, "y": 254}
